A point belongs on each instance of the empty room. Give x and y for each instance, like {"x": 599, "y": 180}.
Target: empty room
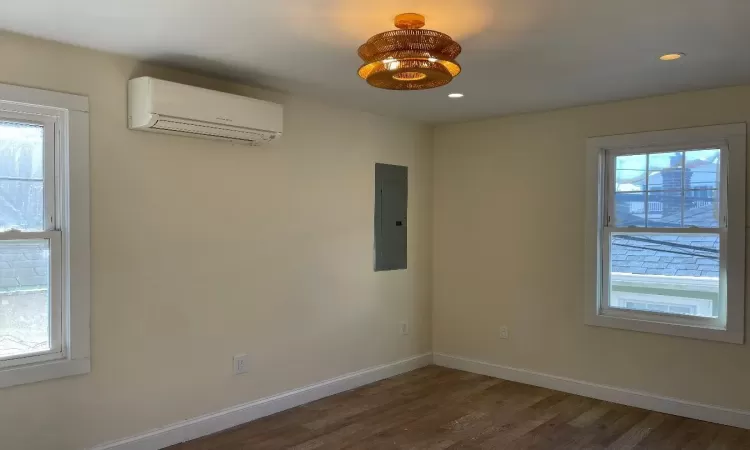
{"x": 403, "y": 224}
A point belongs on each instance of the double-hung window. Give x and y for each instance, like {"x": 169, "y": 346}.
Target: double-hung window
{"x": 665, "y": 232}
{"x": 44, "y": 244}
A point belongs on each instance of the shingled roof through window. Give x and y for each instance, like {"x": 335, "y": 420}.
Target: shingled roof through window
{"x": 684, "y": 255}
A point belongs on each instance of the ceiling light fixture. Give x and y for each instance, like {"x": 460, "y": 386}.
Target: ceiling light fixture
{"x": 671, "y": 56}
{"x": 456, "y": 95}
{"x": 409, "y": 58}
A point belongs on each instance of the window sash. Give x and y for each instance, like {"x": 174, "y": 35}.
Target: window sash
{"x": 610, "y": 178}
{"x": 57, "y": 324}
{"x": 605, "y": 289}
{"x": 12, "y": 112}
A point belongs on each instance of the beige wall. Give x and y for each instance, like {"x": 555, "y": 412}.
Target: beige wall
{"x": 508, "y": 250}
{"x": 201, "y": 250}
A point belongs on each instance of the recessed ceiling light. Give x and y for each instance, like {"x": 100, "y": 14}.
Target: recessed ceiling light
{"x": 456, "y": 95}
{"x": 671, "y": 56}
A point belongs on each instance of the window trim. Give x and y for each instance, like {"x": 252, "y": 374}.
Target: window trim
{"x": 731, "y": 139}
{"x": 71, "y": 215}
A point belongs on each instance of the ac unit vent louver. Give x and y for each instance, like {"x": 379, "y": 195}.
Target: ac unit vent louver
{"x": 252, "y": 137}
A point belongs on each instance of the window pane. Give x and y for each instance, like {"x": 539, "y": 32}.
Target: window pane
{"x": 24, "y": 297}
{"x": 665, "y": 209}
{"x": 665, "y": 171}
{"x": 682, "y": 189}
{"x": 672, "y": 273}
{"x": 700, "y": 210}
{"x": 630, "y": 209}
{"x": 702, "y": 169}
{"x": 630, "y": 173}
{"x": 21, "y": 176}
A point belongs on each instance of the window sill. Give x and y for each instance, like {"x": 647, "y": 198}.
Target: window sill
{"x": 671, "y": 329}
{"x": 14, "y": 376}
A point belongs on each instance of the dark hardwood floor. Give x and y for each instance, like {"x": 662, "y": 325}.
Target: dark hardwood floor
{"x": 438, "y": 408}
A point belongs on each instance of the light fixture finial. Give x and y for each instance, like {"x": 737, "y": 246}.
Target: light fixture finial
{"x": 409, "y": 21}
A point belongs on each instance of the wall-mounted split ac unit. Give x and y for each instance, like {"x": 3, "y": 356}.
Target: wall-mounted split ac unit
{"x": 166, "y": 107}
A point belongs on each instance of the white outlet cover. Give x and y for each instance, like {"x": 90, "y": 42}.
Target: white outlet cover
{"x": 404, "y": 328}
{"x": 241, "y": 364}
{"x": 504, "y": 332}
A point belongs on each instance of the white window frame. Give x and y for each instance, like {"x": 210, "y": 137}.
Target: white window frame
{"x": 66, "y": 121}
{"x": 731, "y": 139}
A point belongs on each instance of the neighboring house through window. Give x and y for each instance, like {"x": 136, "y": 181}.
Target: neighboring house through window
{"x": 665, "y": 232}
{"x": 44, "y": 235}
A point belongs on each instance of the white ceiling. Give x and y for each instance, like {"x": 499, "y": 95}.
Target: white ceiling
{"x": 519, "y": 55}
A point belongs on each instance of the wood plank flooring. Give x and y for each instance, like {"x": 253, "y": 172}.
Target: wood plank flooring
{"x": 437, "y": 408}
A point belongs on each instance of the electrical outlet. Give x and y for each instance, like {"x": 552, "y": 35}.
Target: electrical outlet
{"x": 504, "y": 332}
{"x": 241, "y": 364}
{"x": 404, "y": 328}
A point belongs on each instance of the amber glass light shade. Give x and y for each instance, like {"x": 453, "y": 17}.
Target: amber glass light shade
{"x": 409, "y": 58}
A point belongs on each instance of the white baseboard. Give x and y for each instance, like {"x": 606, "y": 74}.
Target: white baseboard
{"x": 237, "y": 415}
{"x": 645, "y": 400}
